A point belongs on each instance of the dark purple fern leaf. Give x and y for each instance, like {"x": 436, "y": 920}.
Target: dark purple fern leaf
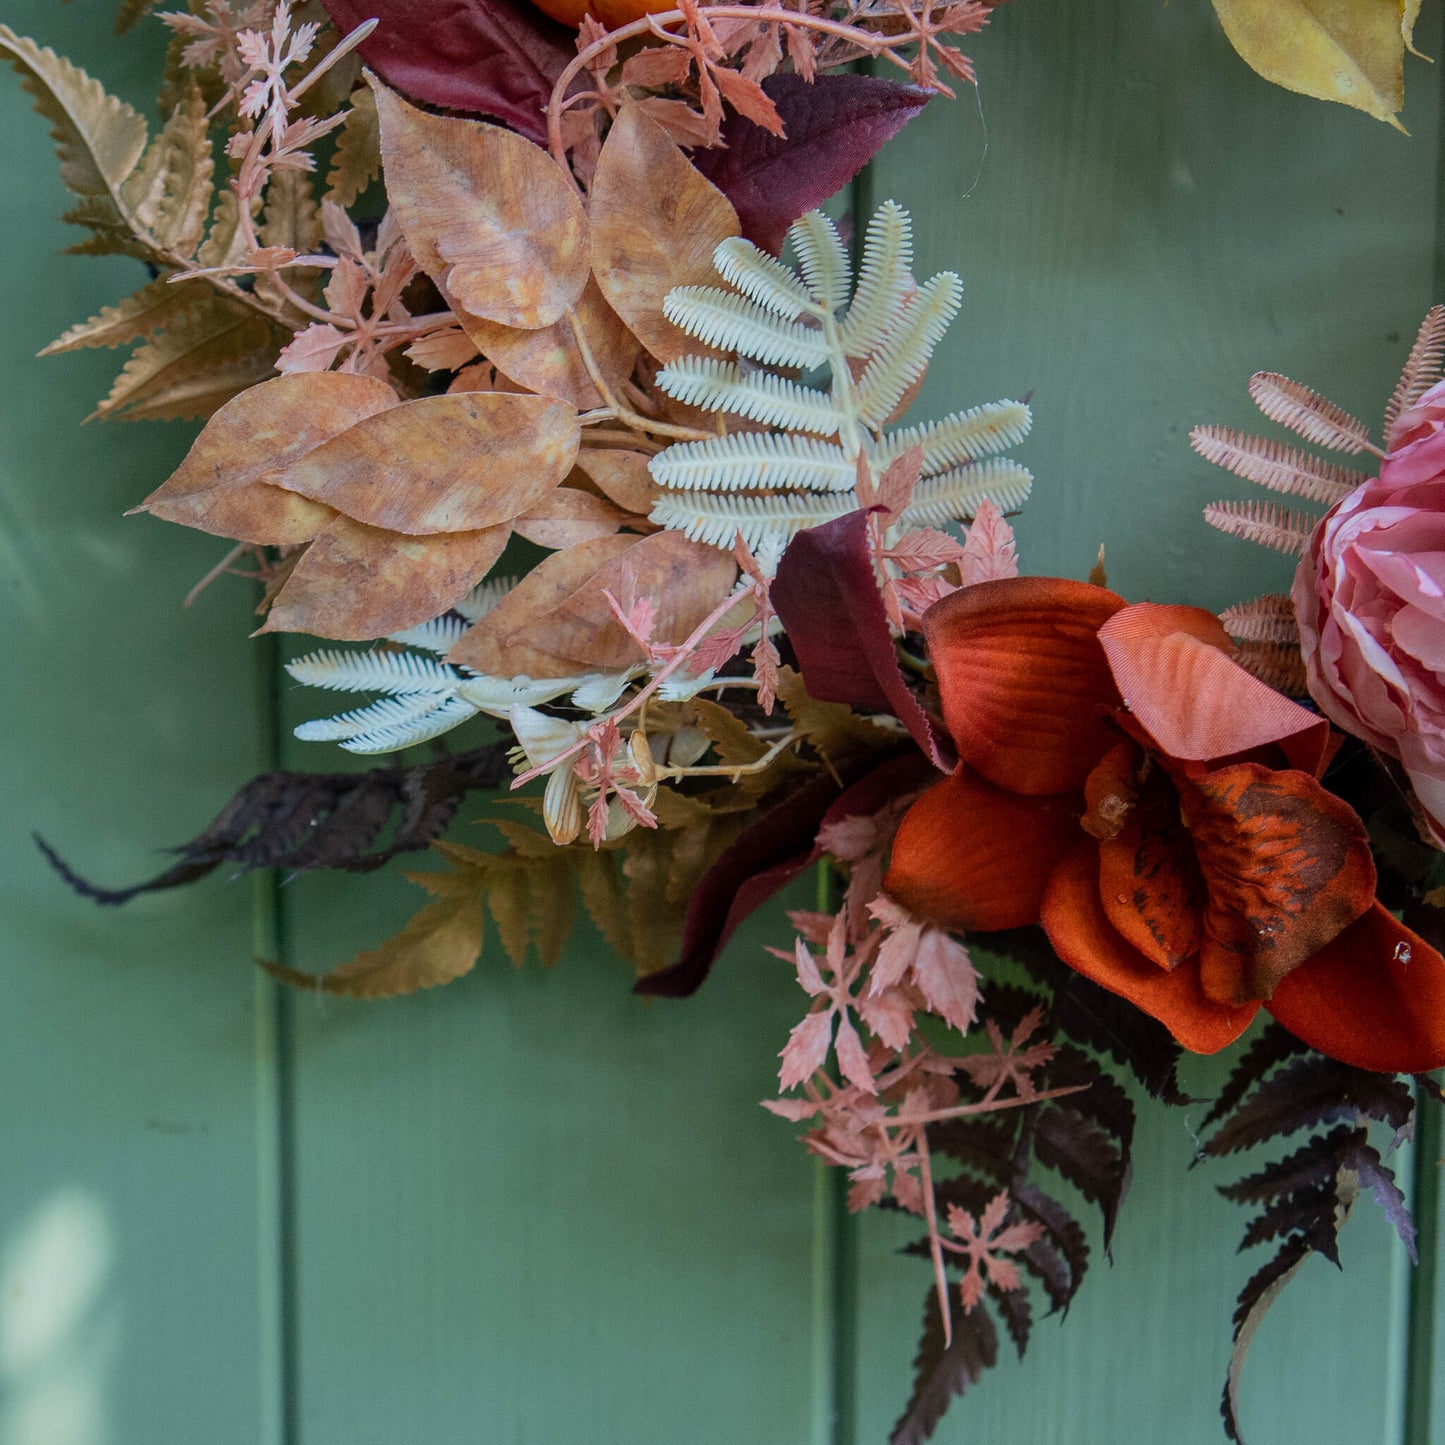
{"x": 941, "y": 1372}
{"x": 1085, "y": 1156}
{"x": 1274, "y": 1045}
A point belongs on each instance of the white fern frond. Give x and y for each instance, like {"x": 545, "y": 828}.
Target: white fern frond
{"x": 821, "y": 256}
{"x": 906, "y": 349}
{"x": 600, "y": 691}
{"x": 484, "y": 597}
{"x": 884, "y": 277}
{"x": 1271, "y": 464}
{"x": 1306, "y": 412}
{"x": 963, "y": 437}
{"x": 386, "y": 712}
{"x": 762, "y": 521}
{"x": 734, "y": 323}
{"x": 763, "y": 278}
{"x": 954, "y": 496}
{"x": 390, "y": 672}
{"x": 498, "y": 695}
{"x": 682, "y": 688}
{"x": 1265, "y": 619}
{"x": 760, "y": 460}
{"x": 451, "y": 713}
{"x": 758, "y": 395}
{"x": 438, "y": 636}
{"x": 1422, "y": 367}
{"x": 1263, "y": 522}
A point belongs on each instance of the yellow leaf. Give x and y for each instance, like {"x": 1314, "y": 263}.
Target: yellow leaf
{"x": 440, "y": 943}
{"x": 1350, "y": 51}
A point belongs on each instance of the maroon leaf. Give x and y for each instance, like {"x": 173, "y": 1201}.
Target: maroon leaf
{"x": 492, "y": 57}
{"x": 828, "y": 600}
{"x": 834, "y": 127}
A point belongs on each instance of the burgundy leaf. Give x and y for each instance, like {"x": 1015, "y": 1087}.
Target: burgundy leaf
{"x": 1372, "y": 1172}
{"x": 834, "y": 127}
{"x": 498, "y": 58}
{"x": 827, "y": 597}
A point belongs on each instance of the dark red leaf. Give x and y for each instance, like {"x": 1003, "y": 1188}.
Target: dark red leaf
{"x": 942, "y": 1371}
{"x": 830, "y": 606}
{"x": 498, "y": 58}
{"x": 834, "y": 127}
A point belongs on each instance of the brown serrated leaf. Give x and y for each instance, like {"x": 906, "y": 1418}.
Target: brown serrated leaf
{"x": 833, "y": 728}
{"x": 604, "y": 898}
{"x": 357, "y": 159}
{"x": 220, "y": 485}
{"x": 548, "y": 360}
{"x": 655, "y": 225}
{"x": 356, "y": 583}
{"x": 453, "y": 463}
{"x": 488, "y": 215}
{"x": 621, "y": 476}
{"x": 138, "y": 315}
{"x": 566, "y": 517}
{"x": 441, "y": 943}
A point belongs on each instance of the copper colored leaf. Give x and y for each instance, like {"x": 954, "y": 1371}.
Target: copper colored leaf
{"x": 566, "y": 517}
{"x": 491, "y": 57}
{"x": 439, "y": 944}
{"x": 357, "y": 582}
{"x": 834, "y": 127}
{"x": 219, "y": 487}
{"x": 655, "y": 224}
{"x": 548, "y": 360}
{"x": 453, "y": 463}
{"x": 488, "y": 215}
{"x": 621, "y": 476}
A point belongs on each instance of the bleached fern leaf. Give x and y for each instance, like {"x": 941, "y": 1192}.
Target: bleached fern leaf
{"x": 963, "y": 437}
{"x": 734, "y": 323}
{"x": 767, "y": 523}
{"x": 484, "y": 597}
{"x": 821, "y": 256}
{"x": 601, "y": 691}
{"x": 386, "y": 712}
{"x": 761, "y": 460}
{"x": 764, "y": 279}
{"x": 1280, "y": 468}
{"x": 884, "y": 278}
{"x": 1422, "y": 367}
{"x": 906, "y": 349}
{"x": 1307, "y": 413}
{"x": 441, "y": 719}
{"x": 956, "y": 495}
{"x": 1265, "y": 619}
{"x": 439, "y": 635}
{"x": 758, "y": 395}
{"x": 1262, "y": 522}
{"x": 390, "y": 672}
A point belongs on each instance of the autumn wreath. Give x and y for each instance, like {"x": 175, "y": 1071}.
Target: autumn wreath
{"x": 591, "y": 428}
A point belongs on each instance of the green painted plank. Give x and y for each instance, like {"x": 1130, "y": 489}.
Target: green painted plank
{"x": 1151, "y": 225}
{"x": 132, "y": 1226}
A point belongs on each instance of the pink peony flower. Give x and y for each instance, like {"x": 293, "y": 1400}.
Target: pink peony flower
{"x": 1370, "y": 599}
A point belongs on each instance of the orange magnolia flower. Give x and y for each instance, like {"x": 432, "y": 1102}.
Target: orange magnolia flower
{"x": 1158, "y": 810}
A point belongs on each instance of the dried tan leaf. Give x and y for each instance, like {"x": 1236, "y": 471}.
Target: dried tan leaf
{"x": 622, "y": 477}
{"x": 156, "y": 304}
{"x": 655, "y": 224}
{"x": 453, "y": 463}
{"x": 448, "y": 350}
{"x": 356, "y": 583}
{"x": 439, "y": 944}
{"x": 168, "y": 195}
{"x": 357, "y": 160}
{"x": 488, "y": 215}
{"x": 566, "y": 517}
{"x": 833, "y": 728}
{"x": 220, "y": 486}
{"x": 547, "y": 360}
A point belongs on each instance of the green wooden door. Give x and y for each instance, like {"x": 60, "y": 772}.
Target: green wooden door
{"x": 529, "y": 1208}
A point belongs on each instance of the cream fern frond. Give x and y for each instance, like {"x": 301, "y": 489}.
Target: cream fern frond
{"x": 1280, "y": 468}
{"x": 1263, "y": 522}
{"x": 769, "y": 485}
{"x": 1306, "y": 412}
{"x": 386, "y": 712}
{"x": 1422, "y": 367}
{"x": 1265, "y": 619}
{"x": 389, "y": 672}
{"x": 1277, "y": 664}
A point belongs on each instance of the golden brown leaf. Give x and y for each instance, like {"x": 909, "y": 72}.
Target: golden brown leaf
{"x": 833, "y": 728}
{"x": 453, "y": 463}
{"x": 655, "y": 224}
{"x": 567, "y": 517}
{"x": 622, "y": 477}
{"x": 441, "y": 943}
{"x": 357, "y": 582}
{"x": 548, "y": 360}
{"x": 488, "y": 215}
{"x": 220, "y": 487}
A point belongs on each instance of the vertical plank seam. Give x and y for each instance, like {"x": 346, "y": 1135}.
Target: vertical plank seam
{"x": 275, "y": 1104}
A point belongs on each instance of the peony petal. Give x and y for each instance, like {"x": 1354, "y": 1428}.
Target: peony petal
{"x": 1173, "y": 667}
{"x": 1287, "y": 865}
{"x": 1081, "y": 934}
{"x": 1025, "y": 687}
{"x": 969, "y": 855}
{"x": 1374, "y": 998}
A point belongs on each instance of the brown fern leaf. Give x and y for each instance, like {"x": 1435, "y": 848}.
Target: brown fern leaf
{"x": 1280, "y": 468}
{"x": 1422, "y": 367}
{"x": 1277, "y": 664}
{"x": 1265, "y": 619}
{"x": 1307, "y": 413}
{"x": 1264, "y": 522}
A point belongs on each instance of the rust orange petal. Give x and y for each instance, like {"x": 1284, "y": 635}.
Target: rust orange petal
{"x": 1025, "y": 686}
{"x": 1374, "y": 998}
{"x": 1173, "y": 668}
{"x": 1287, "y": 865}
{"x": 1081, "y": 934}
{"x": 969, "y": 855}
